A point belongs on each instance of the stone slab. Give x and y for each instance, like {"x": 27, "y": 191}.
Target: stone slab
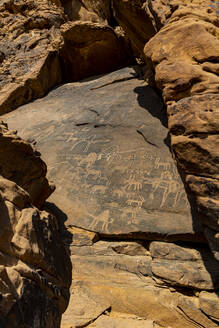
{"x": 105, "y": 141}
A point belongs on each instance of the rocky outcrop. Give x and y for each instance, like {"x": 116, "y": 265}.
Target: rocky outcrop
{"x": 35, "y": 271}
{"x": 186, "y": 73}
{"x": 182, "y": 61}
{"x": 138, "y": 252}
{"x": 29, "y": 39}
{"x": 20, "y": 162}
{"x": 38, "y": 54}
{"x": 136, "y": 226}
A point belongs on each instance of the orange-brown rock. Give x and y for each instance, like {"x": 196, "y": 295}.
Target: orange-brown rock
{"x": 34, "y": 47}
{"x": 21, "y": 163}
{"x": 88, "y": 10}
{"x": 182, "y": 57}
{"x": 35, "y": 272}
{"x": 185, "y": 71}
{"x": 29, "y": 40}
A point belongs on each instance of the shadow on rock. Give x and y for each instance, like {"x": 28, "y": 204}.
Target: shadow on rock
{"x": 148, "y": 99}
{"x": 61, "y": 218}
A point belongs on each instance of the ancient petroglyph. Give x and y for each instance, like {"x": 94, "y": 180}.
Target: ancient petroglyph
{"x": 102, "y": 220}
{"x": 168, "y": 186}
{"x": 99, "y": 189}
{"x": 132, "y": 184}
{"x": 136, "y": 202}
{"x": 95, "y": 174}
{"x": 89, "y": 160}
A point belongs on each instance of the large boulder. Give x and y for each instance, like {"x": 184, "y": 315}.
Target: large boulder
{"x": 182, "y": 61}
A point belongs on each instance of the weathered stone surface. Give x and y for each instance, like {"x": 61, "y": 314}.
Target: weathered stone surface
{"x": 127, "y": 285}
{"x": 135, "y": 20}
{"x": 39, "y": 49}
{"x": 97, "y": 11}
{"x": 80, "y": 237}
{"x": 84, "y": 308}
{"x": 189, "y": 84}
{"x": 209, "y": 304}
{"x": 29, "y": 39}
{"x": 35, "y": 271}
{"x": 194, "y": 268}
{"x": 21, "y": 163}
{"x": 109, "y": 158}
{"x": 119, "y": 322}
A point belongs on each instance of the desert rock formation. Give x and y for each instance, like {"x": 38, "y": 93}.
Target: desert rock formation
{"x": 133, "y": 237}
{"x": 134, "y": 156}
{"x": 35, "y": 271}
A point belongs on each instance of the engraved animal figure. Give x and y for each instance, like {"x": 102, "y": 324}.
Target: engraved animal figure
{"x": 120, "y": 193}
{"x": 163, "y": 165}
{"x": 98, "y": 189}
{"x": 88, "y": 140}
{"x": 136, "y": 202}
{"x": 130, "y": 214}
{"x": 94, "y": 173}
{"x": 103, "y": 219}
{"x": 132, "y": 184}
{"x": 89, "y": 160}
{"x": 169, "y": 186}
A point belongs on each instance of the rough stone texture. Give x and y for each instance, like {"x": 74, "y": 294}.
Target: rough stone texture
{"x": 21, "y": 163}
{"x": 189, "y": 84}
{"x": 88, "y": 10}
{"x": 35, "y": 272}
{"x": 187, "y": 267}
{"x": 109, "y": 158}
{"x": 209, "y": 304}
{"x": 87, "y": 133}
{"x": 118, "y": 276}
{"x": 182, "y": 59}
{"x": 90, "y": 47}
{"x": 36, "y": 49}
{"x": 29, "y": 39}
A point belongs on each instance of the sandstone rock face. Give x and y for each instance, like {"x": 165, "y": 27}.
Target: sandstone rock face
{"x": 186, "y": 73}
{"x": 131, "y": 231}
{"x": 132, "y": 228}
{"x": 21, "y": 163}
{"x": 29, "y": 39}
{"x": 35, "y": 271}
{"x": 34, "y": 48}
